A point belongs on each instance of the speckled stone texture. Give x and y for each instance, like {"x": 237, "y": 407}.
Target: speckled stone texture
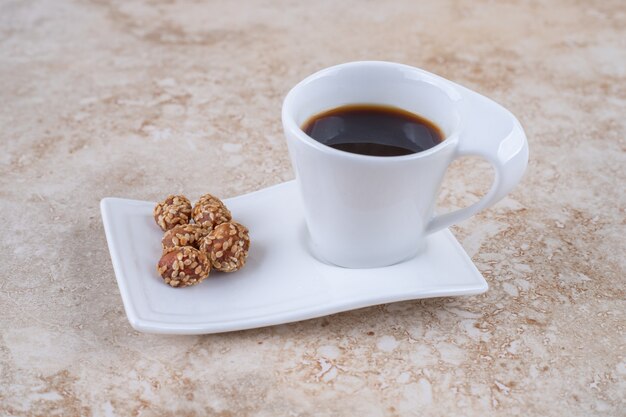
{"x": 140, "y": 99}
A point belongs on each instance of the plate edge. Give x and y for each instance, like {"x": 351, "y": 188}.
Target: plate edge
{"x": 153, "y": 327}
{"x": 105, "y": 211}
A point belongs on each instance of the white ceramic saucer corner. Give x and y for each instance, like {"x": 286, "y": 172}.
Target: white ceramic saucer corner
{"x": 281, "y": 282}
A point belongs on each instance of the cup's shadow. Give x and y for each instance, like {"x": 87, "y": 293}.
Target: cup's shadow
{"x": 304, "y": 239}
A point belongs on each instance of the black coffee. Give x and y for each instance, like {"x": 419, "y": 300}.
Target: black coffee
{"x": 373, "y": 130}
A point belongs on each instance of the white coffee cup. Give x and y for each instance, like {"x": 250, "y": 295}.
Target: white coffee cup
{"x": 369, "y": 211}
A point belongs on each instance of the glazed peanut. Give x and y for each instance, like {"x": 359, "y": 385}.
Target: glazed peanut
{"x": 183, "y": 266}
{"x": 227, "y": 246}
{"x": 174, "y": 210}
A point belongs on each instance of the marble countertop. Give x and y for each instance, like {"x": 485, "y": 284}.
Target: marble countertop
{"x": 141, "y": 98}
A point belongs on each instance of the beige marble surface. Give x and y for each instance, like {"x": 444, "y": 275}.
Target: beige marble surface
{"x": 140, "y": 98}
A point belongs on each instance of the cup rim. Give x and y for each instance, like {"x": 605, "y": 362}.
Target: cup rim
{"x": 441, "y": 83}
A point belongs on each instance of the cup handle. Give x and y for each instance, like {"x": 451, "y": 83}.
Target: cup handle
{"x": 493, "y": 133}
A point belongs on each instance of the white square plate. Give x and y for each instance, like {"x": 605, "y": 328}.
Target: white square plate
{"x": 281, "y": 281}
